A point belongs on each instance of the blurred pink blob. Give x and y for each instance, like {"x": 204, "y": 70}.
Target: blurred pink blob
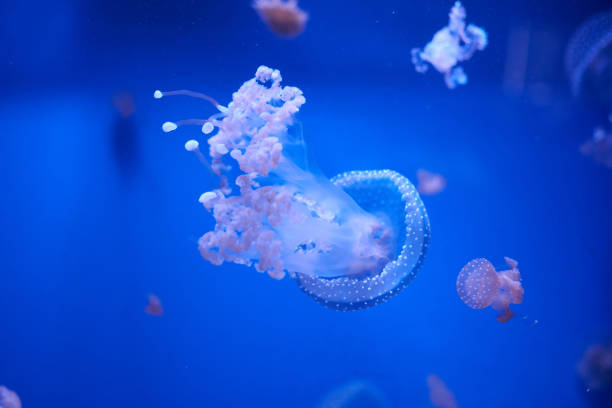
{"x": 480, "y": 286}
{"x": 154, "y": 308}
{"x": 430, "y": 183}
{"x": 599, "y": 147}
{"x": 439, "y": 394}
{"x": 284, "y": 18}
{"x": 8, "y": 398}
{"x": 595, "y": 367}
{"x": 124, "y": 103}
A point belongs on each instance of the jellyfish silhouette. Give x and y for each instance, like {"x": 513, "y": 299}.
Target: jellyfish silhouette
{"x": 124, "y": 136}
{"x": 8, "y": 398}
{"x": 595, "y": 374}
{"x": 154, "y": 308}
{"x": 588, "y": 61}
{"x": 480, "y": 286}
{"x": 284, "y": 18}
{"x": 355, "y": 394}
{"x": 439, "y": 394}
{"x": 430, "y": 183}
{"x": 350, "y": 243}
{"x": 450, "y": 45}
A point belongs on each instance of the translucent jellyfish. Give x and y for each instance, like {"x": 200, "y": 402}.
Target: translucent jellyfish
{"x": 430, "y": 183}
{"x": 356, "y": 394}
{"x": 8, "y": 398}
{"x": 599, "y": 147}
{"x": 349, "y": 243}
{"x": 450, "y": 45}
{"x": 588, "y": 61}
{"x": 439, "y": 395}
{"x": 480, "y": 286}
{"x": 154, "y": 308}
{"x": 595, "y": 367}
{"x": 284, "y": 18}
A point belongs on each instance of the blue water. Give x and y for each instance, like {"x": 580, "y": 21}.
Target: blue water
{"x": 87, "y": 232}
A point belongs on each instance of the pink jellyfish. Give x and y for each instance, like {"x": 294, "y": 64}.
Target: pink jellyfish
{"x": 154, "y": 308}
{"x": 439, "y": 395}
{"x": 595, "y": 367}
{"x": 8, "y": 398}
{"x": 480, "y": 286}
{"x": 430, "y": 183}
{"x": 284, "y": 18}
{"x": 599, "y": 147}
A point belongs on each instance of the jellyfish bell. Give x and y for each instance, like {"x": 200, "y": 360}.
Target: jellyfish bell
{"x": 599, "y": 147}
{"x": 283, "y": 17}
{"x": 430, "y": 183}
{"x": 8, "y": 398}
{"x": 439, "y": 394}
{"x": 479, "y": 286}
{"x": 350, "y": 243}
{"x": 154, "y": 307}
{"x": 355, "y": 394}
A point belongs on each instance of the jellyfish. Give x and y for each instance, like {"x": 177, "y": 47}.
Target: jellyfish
{"x": 154, "y": 308}
{"x": 125, "y": 134}
{"x": 355, "y": 394}
{"x": 8, "y": 398}
{"x": 595, "y": 373}
{"x": 450, "y": 45}
{"x": 599, "y": 147}
{"x": 350, "y": 243}
{"x": 430, "y": 183}
{"x": 439, "y": 395}
{"x": 480, "y": 286}
{"x": 284, "y": 18}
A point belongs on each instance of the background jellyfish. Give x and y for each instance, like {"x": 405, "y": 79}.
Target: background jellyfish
{"x": 480, "y": 286}
{"x": 450, "y": 45}
{"x": 154, "y": 308}
{"x": 356, "y": 394}
{"x": 439, "y": 395}
{"x": 599, "y": 147}
{"x": 430, "y": 183}
{"x": 350, "y": 243}
{"x": 124, "y": 135}
{"x": 8, "y": 398}
{"x": 595, "y": 374}
{"x": 284, "y": 18}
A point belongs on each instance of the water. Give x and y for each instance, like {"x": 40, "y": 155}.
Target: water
{"x": 90, "y": 229}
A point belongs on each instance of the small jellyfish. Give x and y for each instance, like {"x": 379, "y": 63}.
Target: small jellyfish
{"x": 439, "y": 395}
{"x": 356, "y": 394}
{"x": 599, "y": 147}
{"x": 479, "y": 285}
{"x": 124, "y": 137}
{"x": 282, "y": 17}
{"x": 350, "y": 243}
{"x": 450, "y": 45}
{"x": 430, "y": 183}
{"x": 154, "y": 308}
{"x": 8, "y": 398}
{"x": 595, "y": 367}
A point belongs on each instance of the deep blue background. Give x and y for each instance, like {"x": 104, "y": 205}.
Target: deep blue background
{"x": 83, "y": 240}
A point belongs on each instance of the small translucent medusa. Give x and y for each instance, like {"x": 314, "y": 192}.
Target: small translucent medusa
{"x": 430, "y": 183}
{"x": 154, "y": 308}
{"x": 452, "y": 44}
{"x": 356, "y": 394}
{"x": 480, "y": 286}
{"x": 8, "y": 398}
{"x": 599, "y": 147}
{"x": 439, "y": 395}
{"x": 284, "y": 18}
{"x": 350, "y": 243}
{"x": 595, "y": 367}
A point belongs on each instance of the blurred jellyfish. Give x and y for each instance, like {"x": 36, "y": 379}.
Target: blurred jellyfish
{"x": 480, "y": 286}
{"x": 350, "y": 243}
{"x": 595, "y": 373}
{"x": 282, "y": 17}
{"x": 599, "y": 147}
{"x": 439, "y": 395}
{"x": 8, "y": 398}
{"x": 125, "y": 134}
{"x": 154, "y": 308}
{"x": 450, "y": 45}
{"x": 430, "y": 183}
{"x": 356, "y": 394}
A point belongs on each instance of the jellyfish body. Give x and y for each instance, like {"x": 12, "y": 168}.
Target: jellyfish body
{"x": 595, "y": 367}
{"x": 430, "y": 183}
{"x": 8, "y": 398}
{"x": 350, "y": 243}
{"x": 439, "y": 394}
{"x": 599, "y": 147}
{"x": 479, "y": 286}
{"x": 154, "y": 308}
{"x": 355, "y": 394}
{"x": 449, "y": 46}
{"x": 284, "y": 18}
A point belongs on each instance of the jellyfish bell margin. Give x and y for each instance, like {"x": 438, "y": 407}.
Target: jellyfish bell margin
{"x": 350, "y": 243}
